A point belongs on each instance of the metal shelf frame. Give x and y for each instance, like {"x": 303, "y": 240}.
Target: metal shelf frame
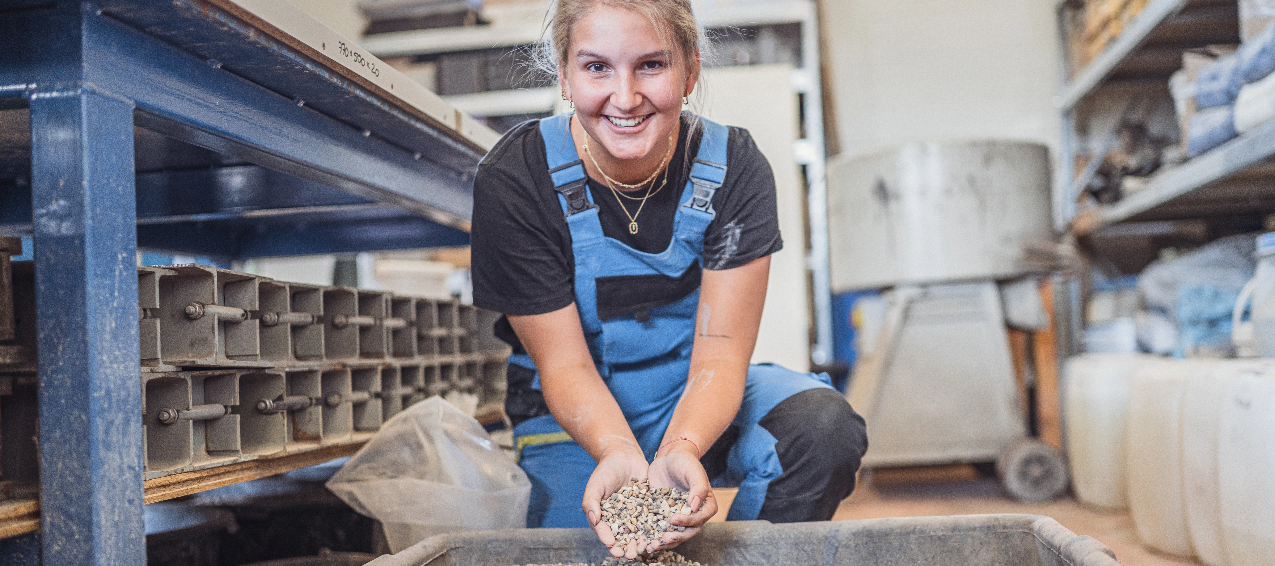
{"x": 208, "y": 74}
{"x": 1145, "y": 54}
{"x": 1091, "y": 77}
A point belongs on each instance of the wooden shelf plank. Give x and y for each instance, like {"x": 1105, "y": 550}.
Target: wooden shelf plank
{"x": 19, "y": 517}
{"x": 22, "y": 516}
{"x": 177, "y": 485}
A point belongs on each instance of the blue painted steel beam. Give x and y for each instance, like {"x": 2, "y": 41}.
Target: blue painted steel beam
{"x": 322, "y": 235}
{"x": 86, "y": 317}
{"x": 281, "y": 68}
{"x": 227, "y": 189}
{"x": 200, "y": 102}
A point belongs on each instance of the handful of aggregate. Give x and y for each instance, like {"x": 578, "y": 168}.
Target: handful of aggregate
{"x": 636, "y": 509}
{"x": 661, "y": 558}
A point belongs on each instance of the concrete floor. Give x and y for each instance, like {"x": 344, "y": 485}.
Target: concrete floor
{"x": 960, "y": 490}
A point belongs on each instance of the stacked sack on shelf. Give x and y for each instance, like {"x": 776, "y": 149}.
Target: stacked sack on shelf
{"x": 1211, "y": 121}
{"x": 1229, "y": 95}
{"x": 1185, "y": 445}
{"x": 1255, "y": 70}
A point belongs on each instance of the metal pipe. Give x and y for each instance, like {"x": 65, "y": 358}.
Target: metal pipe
{"x": 170, "y": 415}
{"x": 341, "y": 320}
{"x": 288, "y": 318}
{"x": 284, "y": 403}
{"x": 817, "y": 189}
{"x": 354, "y": 397}
{"x": 396, "y": 323}
{"x": 197, "y": 310}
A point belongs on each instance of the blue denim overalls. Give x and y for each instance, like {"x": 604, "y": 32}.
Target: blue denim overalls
{"x": 644, "y": 356}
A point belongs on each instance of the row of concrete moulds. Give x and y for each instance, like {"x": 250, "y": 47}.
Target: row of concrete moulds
{"x": 195, "y": 315}
{"x": 207, "y": 418}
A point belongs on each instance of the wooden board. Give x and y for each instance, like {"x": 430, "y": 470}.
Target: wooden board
{"x": 1020, "y": 350}
{"x": 733, "y": 97}
{"x": 1048, "y": 390}
{"x": 285, "y": 23}
{"x": 19, "y": 517}
{"x": 177, "y": 485}
{"x": 23, "y": 516}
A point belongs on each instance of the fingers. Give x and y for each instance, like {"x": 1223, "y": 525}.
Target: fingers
{"x": 674, "y": 538}
{"x": 701, "y": 511}
{"x": 605, "y": 536}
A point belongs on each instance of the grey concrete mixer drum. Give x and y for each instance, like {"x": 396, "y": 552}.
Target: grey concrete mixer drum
{"x": 936, "y": 212}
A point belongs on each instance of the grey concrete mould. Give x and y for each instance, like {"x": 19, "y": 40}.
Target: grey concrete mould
{"x": 985, "y": 540}
{"x": 257, "y": 322}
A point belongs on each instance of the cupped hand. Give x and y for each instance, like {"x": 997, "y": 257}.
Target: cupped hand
{"x": 679, "y": 466}
{"x": 614, "y": 471}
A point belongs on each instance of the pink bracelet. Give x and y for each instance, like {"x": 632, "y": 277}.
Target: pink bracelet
{"x": 698, "y": 452}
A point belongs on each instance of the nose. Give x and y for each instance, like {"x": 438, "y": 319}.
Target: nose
{"x": 626, "y": 96}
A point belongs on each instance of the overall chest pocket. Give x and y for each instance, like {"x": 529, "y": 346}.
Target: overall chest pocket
{"x": 646, "y": 318}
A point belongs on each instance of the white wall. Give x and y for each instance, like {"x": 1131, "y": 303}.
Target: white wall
{"x": 911, "y": 70}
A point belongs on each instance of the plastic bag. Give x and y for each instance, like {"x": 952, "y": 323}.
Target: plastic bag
{"x": 432, "y": 469}
{"x": 1226, "y": 263}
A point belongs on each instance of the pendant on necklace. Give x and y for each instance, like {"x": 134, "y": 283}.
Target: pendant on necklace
{"x": 633, "y": 227}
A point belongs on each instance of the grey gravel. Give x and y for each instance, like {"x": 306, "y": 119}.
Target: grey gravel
{"x": 661, "y": 558}
{"x": 637, "y": 509}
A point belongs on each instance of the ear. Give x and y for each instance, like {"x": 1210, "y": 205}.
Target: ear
{"x": 562, "y": 82}
{"x": 692, "y": 75}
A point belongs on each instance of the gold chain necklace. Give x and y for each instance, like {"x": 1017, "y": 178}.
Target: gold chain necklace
{"x": 614, "y": 183}
{"x": 651, "y": 190}
{"x": 633, "y": 225}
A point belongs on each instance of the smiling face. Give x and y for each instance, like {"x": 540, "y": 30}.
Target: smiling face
{"x": 627, "y": 82}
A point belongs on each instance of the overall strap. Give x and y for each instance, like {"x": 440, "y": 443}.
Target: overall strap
{"x": 565, "y": 166}
{"x": 708, "y": 171}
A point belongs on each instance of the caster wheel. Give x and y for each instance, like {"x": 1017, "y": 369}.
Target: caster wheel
{"x": 1032, "y": 471}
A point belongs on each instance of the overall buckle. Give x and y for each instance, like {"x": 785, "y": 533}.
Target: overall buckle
{"x": 576, "y": 197}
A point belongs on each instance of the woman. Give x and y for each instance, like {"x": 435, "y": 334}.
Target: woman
{"x": 628, "y": 244}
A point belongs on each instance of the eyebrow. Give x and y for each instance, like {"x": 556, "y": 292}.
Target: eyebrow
{"x": 585, "y": 54}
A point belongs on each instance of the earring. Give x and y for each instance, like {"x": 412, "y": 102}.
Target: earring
{"x": 685, "y": 101}
{"x": 572, "y": 103}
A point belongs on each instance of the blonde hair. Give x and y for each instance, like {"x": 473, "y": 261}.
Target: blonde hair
{"x": 674, "y": 21}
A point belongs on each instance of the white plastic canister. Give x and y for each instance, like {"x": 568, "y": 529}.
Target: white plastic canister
{"x": 1257, "y": 337}
{"x": 1096, "y": 398}
{"x": 1201, "y": 418}
{"x": 1246, "y": 469}
{"x": 1153, "y": 445}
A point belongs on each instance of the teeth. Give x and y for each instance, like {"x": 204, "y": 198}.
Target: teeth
{"x": 626, "y": 122}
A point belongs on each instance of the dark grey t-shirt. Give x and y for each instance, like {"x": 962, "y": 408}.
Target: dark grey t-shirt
{"x": 522, "y": 260}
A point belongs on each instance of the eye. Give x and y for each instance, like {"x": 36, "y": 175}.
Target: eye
{"x": 652, "y": 65}
{"x": 595, "y": 67}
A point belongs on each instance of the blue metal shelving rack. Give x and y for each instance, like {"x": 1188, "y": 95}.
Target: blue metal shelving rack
{"x": 178, "y": 125}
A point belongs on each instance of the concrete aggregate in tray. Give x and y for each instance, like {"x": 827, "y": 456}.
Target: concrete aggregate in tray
{"x": 661, "y": 558}
{"x": 638, "y": 510}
